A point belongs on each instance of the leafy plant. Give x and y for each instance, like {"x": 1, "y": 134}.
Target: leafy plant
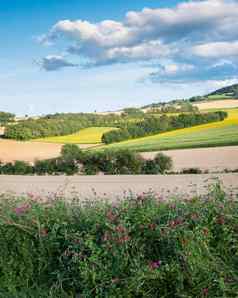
{"x": 142, "y": 246}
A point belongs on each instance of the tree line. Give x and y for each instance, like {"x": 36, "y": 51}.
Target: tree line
{"x": 59, "y": 125}
{"x": 6, "y": 118}
{"x": 154, "y": 125}
{"x": 75, "y": 161}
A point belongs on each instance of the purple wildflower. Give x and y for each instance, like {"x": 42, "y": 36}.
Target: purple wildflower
{"x": 22, "y": 209}
{"x": 155, "y": 264}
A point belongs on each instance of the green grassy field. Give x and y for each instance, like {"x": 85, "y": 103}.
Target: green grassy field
{"x": 207, "y": 135}
{"x": 219, "y": 96}
{"x": 91, "y": 135}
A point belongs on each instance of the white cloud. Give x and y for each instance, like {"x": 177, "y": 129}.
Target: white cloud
{"x": 217, "y": 50}
{"x": 188, "y": 42}
{"x": 142, "y": 34}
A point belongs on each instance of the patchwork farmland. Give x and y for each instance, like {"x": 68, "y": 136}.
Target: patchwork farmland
{"x": 206, "y": 135}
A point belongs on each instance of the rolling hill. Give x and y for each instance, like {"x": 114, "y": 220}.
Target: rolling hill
{"x": 228, "y": 92}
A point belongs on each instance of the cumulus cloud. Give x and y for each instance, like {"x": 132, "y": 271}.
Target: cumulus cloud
{"x": 185, "y": 35}
{"x": 54, "y": 62}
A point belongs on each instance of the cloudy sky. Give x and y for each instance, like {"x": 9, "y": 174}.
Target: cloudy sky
{"x": 71, "y": 55}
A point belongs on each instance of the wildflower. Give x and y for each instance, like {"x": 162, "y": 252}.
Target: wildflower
{"x": 111, "y": 216}
{"x": 194, "y": 216}
{"x": 123, "y": 239}
{"x": 176, "y": 222}
{"x": 205, "y": 231}
{"x": 220, "y": 220}
{"x": 205, "y": 291}
{"x": 141, "y": 197}
{"x": 30, "y": 195}
{"x": 106, "y": 237}
{"x": 22, "y": 209}
{"x": 155, "y": 264}
{"x": 120, "y": 229}
{"x": 44, "y": 232}
{"x": 172, "y": 206}
{"x": 152, "y": 227}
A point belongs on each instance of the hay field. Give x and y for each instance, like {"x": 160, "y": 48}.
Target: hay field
{"x": 207, "y": 135}
{"x": 217, "y": 104}
{"x": 91, "y": 135}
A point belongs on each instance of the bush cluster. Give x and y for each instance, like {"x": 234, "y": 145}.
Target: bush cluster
{"x": 141, "y": 247}
{"x": 154, "y": 125}
{"x": 74, "y": 161}
{"x": 6, "y": 118}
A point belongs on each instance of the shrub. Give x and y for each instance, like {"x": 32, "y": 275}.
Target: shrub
{"x": 16, "y": 168}
{"x": 71, "y": 152}
{"x": 112, "y": 162}
{"x": 151, "y": 167}
{"x": 140, "y": 247}
{"x": 164, "y": 162}
{"x": 191, "y": 171}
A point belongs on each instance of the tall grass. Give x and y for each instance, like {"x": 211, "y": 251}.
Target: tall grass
{"x": 139, "y": 247}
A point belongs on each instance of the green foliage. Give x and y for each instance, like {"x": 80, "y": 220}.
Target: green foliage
{"x": 164, "y": 162}
{"x": 71, "y": 152}
{"x": 75, "y": 161}
{"x": 6, "y": 118}
{"x": 160, "y": 165}
{"x": 16, "y": 168}
{"x": 132, "y": 112}
{"x": 228, "y": 91}
{"x": 140, "y": 247}
{"x": 59, "y": 125}
{"x": 153, "y": 125}
{"x": 112, "y": 162}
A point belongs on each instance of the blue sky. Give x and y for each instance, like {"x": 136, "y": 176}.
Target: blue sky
{"x": 72, "y": 56}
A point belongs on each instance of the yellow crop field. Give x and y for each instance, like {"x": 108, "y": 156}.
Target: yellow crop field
{"x": 205, "y": 135}
{"x": 91, "y": 135}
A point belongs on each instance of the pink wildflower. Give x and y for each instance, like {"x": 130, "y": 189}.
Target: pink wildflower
{"x": 155, "y": 264}
{"x": 44, "y": 232}
{"x": 205, "y": 291}
{"x": 22, "y": 209}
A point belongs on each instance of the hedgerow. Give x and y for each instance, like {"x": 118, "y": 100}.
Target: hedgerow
{"x": 74, "y": 161}
{"x": 142, "y": 246}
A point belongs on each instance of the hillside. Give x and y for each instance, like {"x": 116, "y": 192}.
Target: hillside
{"x": 229, "y": 92}
{"x": 226, "y": 92}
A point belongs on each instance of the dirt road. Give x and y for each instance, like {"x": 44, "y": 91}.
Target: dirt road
{"x": 90, "y": 187}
